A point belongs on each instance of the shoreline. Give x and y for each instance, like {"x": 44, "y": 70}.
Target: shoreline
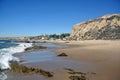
{"x": 102, "y": 57}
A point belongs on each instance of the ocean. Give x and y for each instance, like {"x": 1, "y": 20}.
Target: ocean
{"x": 7, "y": 49}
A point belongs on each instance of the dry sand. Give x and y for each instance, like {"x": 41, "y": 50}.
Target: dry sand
{"x": 103, "y": 54}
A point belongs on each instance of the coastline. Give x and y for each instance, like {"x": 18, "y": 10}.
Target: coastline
{"x": 100, "y": 58}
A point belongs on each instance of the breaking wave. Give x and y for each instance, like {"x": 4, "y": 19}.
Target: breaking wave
{"x": 6, "y": 54}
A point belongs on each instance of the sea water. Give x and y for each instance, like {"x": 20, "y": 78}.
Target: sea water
{"x": 7, "y": 49}
{"x": 41, "y": 55}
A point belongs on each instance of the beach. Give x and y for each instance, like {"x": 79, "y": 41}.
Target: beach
{"x": 98, "y": 59}
{"x": 102, "y": 54}
{"x": 60, "y": 40}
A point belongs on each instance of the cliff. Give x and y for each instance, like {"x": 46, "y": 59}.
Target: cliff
{"x": 106, "y": 27}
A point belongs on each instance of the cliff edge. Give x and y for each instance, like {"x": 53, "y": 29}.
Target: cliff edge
{"x": 106, "y": 27}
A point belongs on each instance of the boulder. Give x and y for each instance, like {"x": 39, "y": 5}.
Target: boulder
{"x": 62, "y": 54}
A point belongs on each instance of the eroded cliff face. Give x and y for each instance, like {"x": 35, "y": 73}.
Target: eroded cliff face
{"x": 105, "y": 27}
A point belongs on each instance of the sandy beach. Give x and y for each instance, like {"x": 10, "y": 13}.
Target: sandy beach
{"x": 60, "y": 40}
{"x": 99, "y": 59}
{"x": 104, "y": 55}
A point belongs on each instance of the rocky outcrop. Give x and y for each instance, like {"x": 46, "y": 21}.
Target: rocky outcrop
{"x": 75, "y": 75}
{"x": 35, "y": 48}
{"x": 21, "y": 69}
{"x": 105, "y": 27}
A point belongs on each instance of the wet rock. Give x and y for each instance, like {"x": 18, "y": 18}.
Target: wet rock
{"x": 26, "y": 41}
{"x": 21, "y": 69}
{"x": 75, "y": 75}
{"x": 77, "y": 78}
{"x": 67, "y": 42}
{"x": 35, "y": 48}
{"x": 62, "y": 54}
{"x": 93, "y": 73}
{"x": 69, "y": 69}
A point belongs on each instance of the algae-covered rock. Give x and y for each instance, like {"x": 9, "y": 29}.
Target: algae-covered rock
{"x": 35, "y": 48}
{"x": 21, "y": 69}
{"x": 75, "y": 75}
{"x": 77, "y": 78}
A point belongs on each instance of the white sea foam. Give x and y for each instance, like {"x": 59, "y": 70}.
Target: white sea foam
{"x": 6, "y": 54}
{"x": 3, "y": 76}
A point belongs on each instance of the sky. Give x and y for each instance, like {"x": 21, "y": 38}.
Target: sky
{"x": 36, "y": 17}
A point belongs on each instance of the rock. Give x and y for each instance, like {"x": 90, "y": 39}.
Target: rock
{"x": 76, "y": 75}
{"x": 33, "y": 42}
{"x": 21, "y": 69}
{"x": 62, "y": 54}
{"x": 106, "y": 27}
{"x": 26, "y": 41}
{"x": 69, "y": 69}
{"x": 35, "y": 48}
{"x": 77, "y": 78}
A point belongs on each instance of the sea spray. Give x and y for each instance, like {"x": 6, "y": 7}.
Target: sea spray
{"x": 6, "y": 54}
{"x": 4, "y": 61}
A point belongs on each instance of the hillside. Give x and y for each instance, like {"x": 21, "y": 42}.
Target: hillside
{"x": 106, "y": 27}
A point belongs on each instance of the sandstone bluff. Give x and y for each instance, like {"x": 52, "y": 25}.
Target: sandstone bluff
{"x": 106, "y": 27}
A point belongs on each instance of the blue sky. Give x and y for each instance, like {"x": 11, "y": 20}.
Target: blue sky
{"x": 35, "y": 17}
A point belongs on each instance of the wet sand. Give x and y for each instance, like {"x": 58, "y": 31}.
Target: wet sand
{"x": 98, "y": 59}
